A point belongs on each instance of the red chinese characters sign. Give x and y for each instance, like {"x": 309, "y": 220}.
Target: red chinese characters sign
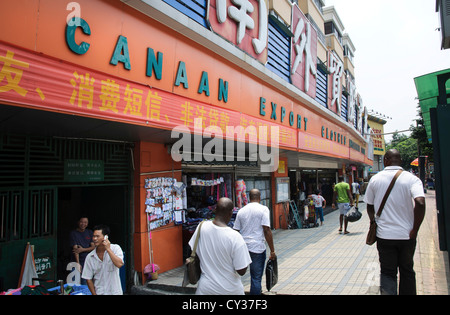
{"x": 303, "y": 53}
{"x": 29, "y": 79}
{"x": 243, "y": 23}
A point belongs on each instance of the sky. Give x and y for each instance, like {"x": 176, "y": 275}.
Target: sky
{"x": 395, "y": 42}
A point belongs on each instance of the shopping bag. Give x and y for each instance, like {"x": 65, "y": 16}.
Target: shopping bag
{"x": 271, "y": 273}
{"x": 353, "y": 215}
{"x": 193, "y": 272}
{"x": 371, "y": 237}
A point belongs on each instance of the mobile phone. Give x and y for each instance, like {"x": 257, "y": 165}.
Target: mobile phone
{"x": 106, "y": 237}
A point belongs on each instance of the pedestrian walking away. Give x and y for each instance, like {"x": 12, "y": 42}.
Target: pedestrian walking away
{"x": 223, "y": 254}
{"x": 253, "y": 222}
{"x": 344, "y": 198}
{"x": 355, "y": 192}
{"x": 398, "y": 224}
{"x": 101, "y": 268}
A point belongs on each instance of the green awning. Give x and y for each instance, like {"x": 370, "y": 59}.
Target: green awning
{"x": 428, "y": 94}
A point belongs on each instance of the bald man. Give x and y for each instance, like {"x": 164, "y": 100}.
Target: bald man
{"x": 398, "y": 224}
{"x": 223, "y": 254}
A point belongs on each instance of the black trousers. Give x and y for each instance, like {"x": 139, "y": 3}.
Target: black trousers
{"x": 397, "y": 256}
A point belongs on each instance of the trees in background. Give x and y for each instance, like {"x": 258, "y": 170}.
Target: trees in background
{"x": 408, "y": 145}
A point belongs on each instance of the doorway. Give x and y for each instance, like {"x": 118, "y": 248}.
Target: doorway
{"x": 101, "y": 205}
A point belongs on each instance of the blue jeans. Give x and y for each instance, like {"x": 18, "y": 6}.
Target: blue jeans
{"x": 319, "y": 214}
{"x": 256, "y": 272}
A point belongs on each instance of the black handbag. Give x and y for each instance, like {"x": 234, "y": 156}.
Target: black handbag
{"x": 192, "y": 272}
{"x": 271, "y": 273}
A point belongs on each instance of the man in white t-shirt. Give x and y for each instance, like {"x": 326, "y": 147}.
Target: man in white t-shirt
{"x": 223, "y": 254}
{"x": 253, "y": 222}
{"x": 398, "y": 224}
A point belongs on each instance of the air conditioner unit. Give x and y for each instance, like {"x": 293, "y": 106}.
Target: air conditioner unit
{"x": 443, "y": 7}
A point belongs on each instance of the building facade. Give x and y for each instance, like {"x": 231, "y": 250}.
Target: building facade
{"x": 376, "y": 125}
{"x": 106, "y": 106}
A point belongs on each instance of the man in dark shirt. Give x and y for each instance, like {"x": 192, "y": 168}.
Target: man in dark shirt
{"x": 81, "y": 241}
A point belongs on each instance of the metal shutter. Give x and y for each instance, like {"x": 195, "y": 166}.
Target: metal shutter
{"x": 321, "y": 87}
{"x": 278, "y": 59}
{"x": 195, "y": 9}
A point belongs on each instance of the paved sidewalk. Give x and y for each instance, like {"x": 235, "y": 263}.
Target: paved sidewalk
{"x": 431, "y": 264}
{"x": 320, "y": 260}
{"x": 323, "y": 261}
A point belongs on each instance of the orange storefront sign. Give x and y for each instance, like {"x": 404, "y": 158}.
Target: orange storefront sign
{"x": 134, "y": 70}
{"x": 32, "y": 80}
{"x": 315, "y": 144}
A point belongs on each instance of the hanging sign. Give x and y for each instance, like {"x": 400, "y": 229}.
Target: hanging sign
{"x": 84, "y": 171}
{"x": 243, "y": 23}
{"x": 303, "y": 53}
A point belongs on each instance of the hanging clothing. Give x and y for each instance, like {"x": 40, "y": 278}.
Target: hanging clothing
{"x": 240, "y": 193}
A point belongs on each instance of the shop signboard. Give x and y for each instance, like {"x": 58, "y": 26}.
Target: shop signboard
{"x": 303, "y": 53}
{"x": 35, "y": 81}
{"x": 140, "y": 79}
{"x": 315, "y": 144}
{"x": 336, "y": 70}
{"x": 282, "y": 189}
{"x": 243, "y": 23}
{"x": 377, "y": 137}
{"x": 84, "y": 170}
{"x": 43, "y": 265}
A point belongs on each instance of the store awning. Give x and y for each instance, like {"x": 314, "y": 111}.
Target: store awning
{"x": 428, "y": 95}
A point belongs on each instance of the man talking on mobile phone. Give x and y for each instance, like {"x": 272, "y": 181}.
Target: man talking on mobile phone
{"x": 101, "y": 268}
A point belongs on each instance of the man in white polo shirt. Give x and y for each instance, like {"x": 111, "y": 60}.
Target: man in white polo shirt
{"x": 398, "y": 223}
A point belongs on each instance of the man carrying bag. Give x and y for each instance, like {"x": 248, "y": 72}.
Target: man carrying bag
{"x": 222, "y": 253}
{"x": 253, "y": 222}
{"x": 398, "y": 223}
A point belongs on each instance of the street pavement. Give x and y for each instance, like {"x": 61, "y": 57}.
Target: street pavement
{"x": 322, "y": 261}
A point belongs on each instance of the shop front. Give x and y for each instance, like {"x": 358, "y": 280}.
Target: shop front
{"x": 47, "y": 184}
{"x": 205, "y": 185}
{"x": 312, "y": 179}
{"x": 107, "y": 111}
